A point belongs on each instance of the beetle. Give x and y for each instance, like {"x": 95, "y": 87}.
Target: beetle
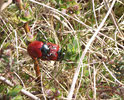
{"x": 45, "y": 51}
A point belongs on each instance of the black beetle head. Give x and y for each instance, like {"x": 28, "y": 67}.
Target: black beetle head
{"x": 60, "y": 54}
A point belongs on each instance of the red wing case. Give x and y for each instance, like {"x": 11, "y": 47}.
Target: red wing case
{"x": 34, "y": 49}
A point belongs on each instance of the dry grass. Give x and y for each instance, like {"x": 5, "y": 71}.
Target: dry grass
{"x": 92, "y": 32}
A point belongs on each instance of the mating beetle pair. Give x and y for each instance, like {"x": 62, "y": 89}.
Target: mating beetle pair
{"x": 45, "y": 51}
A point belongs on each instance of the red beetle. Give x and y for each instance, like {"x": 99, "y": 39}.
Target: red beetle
{"x": 44, "y": 51}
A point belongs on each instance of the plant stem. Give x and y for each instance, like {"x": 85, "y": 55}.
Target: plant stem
{"x": 27, "y": 30}
{"x": 37, "y": 68}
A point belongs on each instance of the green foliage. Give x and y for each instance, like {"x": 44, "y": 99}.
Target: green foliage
{"x": 70, "y": 6}
{"x": 2, "y": 87}
{"x": 23, "y": 15}
{"x": 13, "y": 8}
{"x": 26, "y": 15}
{"x": 86, "y": 72}
{"x": 118, "y": 9}
{"x": 118, "y": 67}
{"x": 2, "y": 36}
{"x": 18, "y": 97}
{"x": 14, "y": 91}
{"x": 72, "y": 50}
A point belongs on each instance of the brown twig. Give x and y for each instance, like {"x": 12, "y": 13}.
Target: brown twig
{"x": 37, "y": 69}
{"x": 19, "y": 4}
{"x": 27, "y": 28}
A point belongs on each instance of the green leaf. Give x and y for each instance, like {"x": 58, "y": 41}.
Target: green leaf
{"x": 2, "y": 87}
{"x": 19, "y": 97}
{"x": 14, "y": 91}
